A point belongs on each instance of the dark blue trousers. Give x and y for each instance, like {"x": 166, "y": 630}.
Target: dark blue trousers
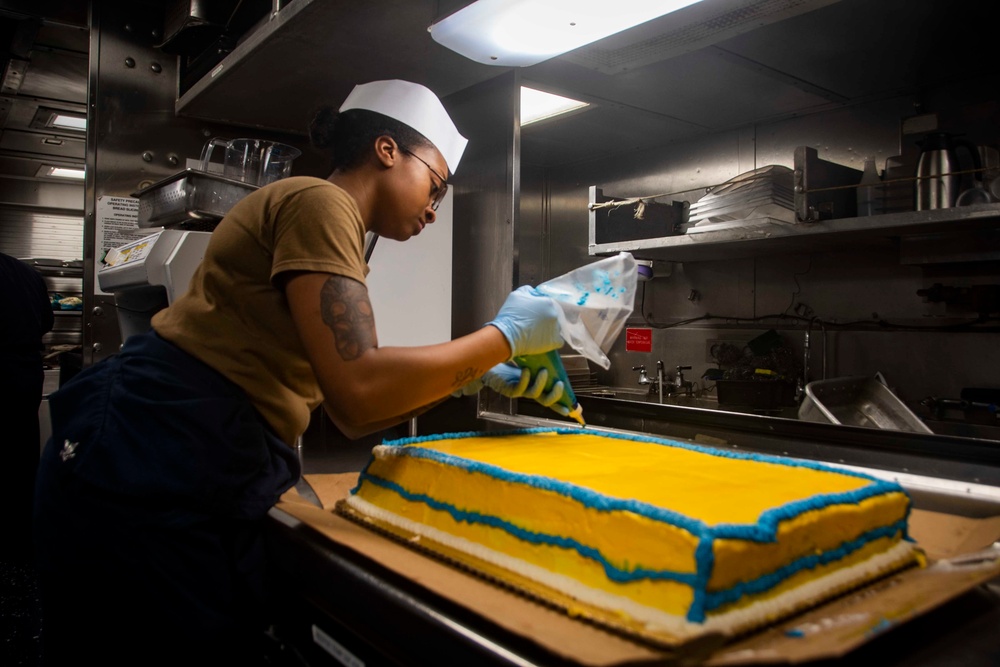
{"x": 20, "y": 398}
{"x": 148, "y": 513}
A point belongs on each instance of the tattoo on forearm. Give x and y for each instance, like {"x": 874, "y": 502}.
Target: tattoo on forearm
{"x": 346, "y": 309}
{"x": 463, "y": 378}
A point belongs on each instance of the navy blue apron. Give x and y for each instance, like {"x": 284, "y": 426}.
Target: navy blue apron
{"x": 149, "y": 506}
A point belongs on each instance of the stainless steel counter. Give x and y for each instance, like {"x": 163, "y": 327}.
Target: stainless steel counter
{"x": 340, "y": 608}
{"x": 337, "y": 602}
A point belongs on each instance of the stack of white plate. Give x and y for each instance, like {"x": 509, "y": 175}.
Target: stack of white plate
{"x": 761, "y": 193}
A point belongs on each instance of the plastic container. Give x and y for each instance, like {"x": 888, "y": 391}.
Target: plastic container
{"x": 252, "y": 161}
{"x": 858, "y": 401}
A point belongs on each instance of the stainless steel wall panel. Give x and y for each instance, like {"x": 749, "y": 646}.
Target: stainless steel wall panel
{"x": 695, "y": 288}
{"x": 605, "y": 128}
{"x": 37, "y": 193}
{"x": 533, "y": 243}
{"x": 27, "y": 166}
{"x": 844, "y": 136}
{"x": 134, "y": 137}
{"x": 45, "y": 144}
{"x": 917, "y": 364}
{"x": 64, "y": 12}
{"x": 486, "y": 188}
{"x": 486, "y": 216}
{"x": 24, "y": 113}
{"x": 680, "y": 171}
{"x": 28, "y": 234}
{"x": 56, "y": 74}
{"x": 860, "y": 285}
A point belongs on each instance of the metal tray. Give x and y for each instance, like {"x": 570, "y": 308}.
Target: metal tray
{"x": 189, "y": 199}
{"x": 858, "y": 401}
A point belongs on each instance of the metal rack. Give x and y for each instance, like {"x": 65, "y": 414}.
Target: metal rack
{"x": 190, "y": 199}
{"x": 66, "y": 278}
{"x": 825, "y": 218}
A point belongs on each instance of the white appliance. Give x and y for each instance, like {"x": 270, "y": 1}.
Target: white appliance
{"x": 149, "y": 274}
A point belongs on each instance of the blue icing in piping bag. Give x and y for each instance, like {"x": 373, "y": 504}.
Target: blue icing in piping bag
{"x": 594, "y": 302}
{"x": 552, "y": 362}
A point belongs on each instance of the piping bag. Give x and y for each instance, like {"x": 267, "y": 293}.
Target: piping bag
{"x": 552, "y": 362}
{"x": 594, "y": 302}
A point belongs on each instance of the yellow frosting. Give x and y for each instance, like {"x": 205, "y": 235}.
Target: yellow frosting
{"x": 481, "y": 497}
{"x": 712, "y": 489}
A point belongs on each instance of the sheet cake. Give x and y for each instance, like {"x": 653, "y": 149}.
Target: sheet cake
{"x": 659, "y": 538}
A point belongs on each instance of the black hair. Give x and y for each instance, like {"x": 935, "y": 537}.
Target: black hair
{"x": 348, "y": 136}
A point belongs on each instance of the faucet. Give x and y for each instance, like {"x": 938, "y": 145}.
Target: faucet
{"x": 655, "y": 386}
{"x": 659, "y": 380}
{"x": 679, "y": 384}
{"x": 643, "y": 377}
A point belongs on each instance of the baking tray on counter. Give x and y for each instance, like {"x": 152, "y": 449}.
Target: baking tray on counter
{"x": 858, "y": 401}
{"x": 961, "y": 552}
{"x": 190, "y": 199}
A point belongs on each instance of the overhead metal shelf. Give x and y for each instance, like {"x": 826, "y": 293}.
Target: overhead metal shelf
{"x": 313, "y": 52}
{"x": 824, "y": 219}
{"x": 767, "y": 236}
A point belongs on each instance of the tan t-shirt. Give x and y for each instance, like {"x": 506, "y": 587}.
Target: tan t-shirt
{"x": 233, "y": 317}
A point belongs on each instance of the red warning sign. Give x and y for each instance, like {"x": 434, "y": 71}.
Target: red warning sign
{"x": 638, "y": 340}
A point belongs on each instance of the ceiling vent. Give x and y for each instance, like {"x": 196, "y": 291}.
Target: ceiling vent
{"x": 686, "y": 30}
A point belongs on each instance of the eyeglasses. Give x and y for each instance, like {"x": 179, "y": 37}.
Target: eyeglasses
{"x": 437, "y": 196}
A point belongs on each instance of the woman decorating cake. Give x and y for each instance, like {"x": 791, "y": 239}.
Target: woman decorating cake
{"x": 166, "y": 457}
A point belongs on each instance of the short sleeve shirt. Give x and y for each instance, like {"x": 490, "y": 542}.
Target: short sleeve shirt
{"x": 235, "y": 319}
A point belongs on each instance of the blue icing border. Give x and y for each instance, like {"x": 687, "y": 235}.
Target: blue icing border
{"x": 766, "y": 582}
{"x": 764, "y": 530}
{"x": 613, "y": 572}
{"x": 402, "y": 442}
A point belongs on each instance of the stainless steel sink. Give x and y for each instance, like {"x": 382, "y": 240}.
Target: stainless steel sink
{"x": 706, "y": 402}
{"x": 703, "y": 402}
{"x": 640, "y": 394}
{"x": 625, "y": 393}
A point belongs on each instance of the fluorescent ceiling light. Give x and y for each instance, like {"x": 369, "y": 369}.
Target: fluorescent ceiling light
{"x": 518, "y": 33}
{"x": 46, "y": 118}
{"x": 64, "y": 122}
{"x": 49, "y": 171}
{"x": 66, "y": 172}
{"x": 537, "y": 105}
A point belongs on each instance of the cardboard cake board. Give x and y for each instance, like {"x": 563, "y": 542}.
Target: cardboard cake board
{"x": 959, "y": 548}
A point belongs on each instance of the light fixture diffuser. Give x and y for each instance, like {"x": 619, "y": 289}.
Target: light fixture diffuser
{"x": 519, "y": 33}
{"x": 51, "y": 171}
{"x": 47, "y": 118}
{"x": 65, "y": 122}
{"x": 538, "y": 105}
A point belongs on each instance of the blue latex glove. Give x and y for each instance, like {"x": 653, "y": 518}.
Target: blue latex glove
{"x": 513, "y": 382}
{"x": 528, "y": 320}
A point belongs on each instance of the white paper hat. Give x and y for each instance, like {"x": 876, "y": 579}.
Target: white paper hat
{"x": 416, "y": 106}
